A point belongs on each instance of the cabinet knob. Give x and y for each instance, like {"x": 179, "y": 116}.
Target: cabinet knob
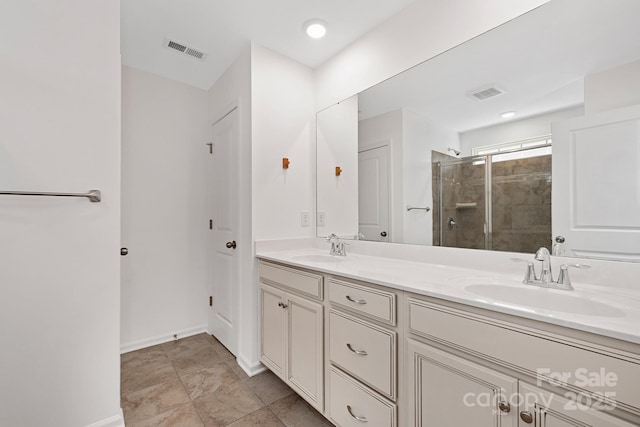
{"x": 526, "y": 417}
{"x": 361, "y": 419}
{"x": 231, "y": 245}
{"x": 283, "y": 305}
{"x": 124, "y": 251}
{"x": 504, "y": 407}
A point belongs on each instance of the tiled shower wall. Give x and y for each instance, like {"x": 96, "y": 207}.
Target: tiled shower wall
{"x": 521, "y": 204}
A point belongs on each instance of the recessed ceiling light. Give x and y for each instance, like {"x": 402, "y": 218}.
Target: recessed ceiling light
{"x": 315, "y": 28}
{"x": 508, "y": 114}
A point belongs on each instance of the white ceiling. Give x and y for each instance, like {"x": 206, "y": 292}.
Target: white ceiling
{"x": 540, "y": 59}
{"x": 222, "y": 28}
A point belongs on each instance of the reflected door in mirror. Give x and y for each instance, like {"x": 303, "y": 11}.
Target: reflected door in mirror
{"x": 596, "y": 184}
{"x": 373, "y": 194}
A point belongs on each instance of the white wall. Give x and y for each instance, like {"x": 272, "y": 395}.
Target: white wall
{"x": 164, "y": 282}
{"x": 387, "y": 129}
{"x": 516, "y": 130}
{"x": 421, "y": 31}
{"x": 233, "y": 89}
{"x": 60, "y": 262}
{"x": 283, "y": 125}
{"x": 421, "y": 136}
{"x": 615, "y": 88}
{"x": 338, "y": 147}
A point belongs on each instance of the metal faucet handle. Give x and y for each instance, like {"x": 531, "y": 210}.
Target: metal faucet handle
{"x": 331, "y": 237}
{"x": 563, "y": 277}
{"x": 341, "y": 249}
{"x": 335, "y": 244}
{"x": 530, "y": 273}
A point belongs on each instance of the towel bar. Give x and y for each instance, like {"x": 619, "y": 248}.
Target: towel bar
{"x": 94, "y": 196}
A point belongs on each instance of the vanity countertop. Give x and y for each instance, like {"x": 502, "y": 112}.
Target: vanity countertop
{"x": 589, "y": 308}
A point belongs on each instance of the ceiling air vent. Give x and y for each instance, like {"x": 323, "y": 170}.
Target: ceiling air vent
{"x": 183, "y": 48}
{"x": 485, "y": 92}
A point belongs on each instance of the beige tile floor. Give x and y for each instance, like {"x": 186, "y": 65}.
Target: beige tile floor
{"x": 195, "y": 382}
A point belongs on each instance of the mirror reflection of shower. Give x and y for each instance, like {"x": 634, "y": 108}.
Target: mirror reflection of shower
{"x": 499, "y": 201}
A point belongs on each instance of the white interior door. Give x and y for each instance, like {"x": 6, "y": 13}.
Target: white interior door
{"x": 373, "y": 194}
{"x": 596, "y": 184}
{"x": 223, "y": 259}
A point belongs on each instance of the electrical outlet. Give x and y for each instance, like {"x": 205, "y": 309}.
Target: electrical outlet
{"x": 320, "y": 219}
{"x": 305, "y": 218}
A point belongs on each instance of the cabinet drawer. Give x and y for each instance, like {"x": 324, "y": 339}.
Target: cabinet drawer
{"x": 370, "y": 302}
{"x": 364, "y": 350}
{"x": 349, "y": 400}
{"x": 536, "y": 353}
{"x": 300, "y": 281}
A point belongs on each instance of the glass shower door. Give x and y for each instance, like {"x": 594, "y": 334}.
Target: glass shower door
{"x": 462, "y": 208}
{"x": 520, "y": 202}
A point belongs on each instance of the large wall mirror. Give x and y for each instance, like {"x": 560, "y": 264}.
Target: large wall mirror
{"x": 526, "y": 136}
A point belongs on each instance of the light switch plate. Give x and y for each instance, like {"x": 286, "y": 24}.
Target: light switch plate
{"x": 305, "y": 218}
{"x": 320, "y": 219}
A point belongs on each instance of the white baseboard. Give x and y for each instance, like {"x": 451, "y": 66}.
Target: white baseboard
{"x": 115, "y": 421}
{"x": 250, "y": 368}
{"x": 160, "y": 339}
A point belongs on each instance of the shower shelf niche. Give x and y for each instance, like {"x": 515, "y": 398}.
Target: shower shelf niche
{"x": 466, "y": 205}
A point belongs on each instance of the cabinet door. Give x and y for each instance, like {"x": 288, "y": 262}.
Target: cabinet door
{"x": 305, "y": 350}
{"x": 541, "y": 408}
{"x": 273, "y": 329}
{"x": 446, "y": 390}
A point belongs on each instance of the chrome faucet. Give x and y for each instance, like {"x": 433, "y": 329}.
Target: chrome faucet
{"x": 546, "y": 277}
{"x": 544, "y": 256}
{"x": 337, "y": 247}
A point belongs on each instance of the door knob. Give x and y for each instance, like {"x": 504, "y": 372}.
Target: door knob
{"x": 383, "y": 234}
{"x": 231, "y": 245}
{"x": 124, "y": 251}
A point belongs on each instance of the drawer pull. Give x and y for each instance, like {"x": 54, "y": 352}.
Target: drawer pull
{"x": 357, "y": 301}
{"x": 361, "y": 419}
{"x": 360, "y": 352}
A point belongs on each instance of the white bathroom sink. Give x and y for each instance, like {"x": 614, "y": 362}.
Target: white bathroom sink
{"x": 317, "y": 258}
{"x": 545, "y": 299}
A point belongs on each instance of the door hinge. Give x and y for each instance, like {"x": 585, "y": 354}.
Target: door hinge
{"x": 210, "y": 301}
{"x": 210, "y": 224}
{"x": 210, "y": 144}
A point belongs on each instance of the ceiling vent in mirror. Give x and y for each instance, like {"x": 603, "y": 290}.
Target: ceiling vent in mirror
{"x": 485, "y": 92}
{"x": 183, "y": 48}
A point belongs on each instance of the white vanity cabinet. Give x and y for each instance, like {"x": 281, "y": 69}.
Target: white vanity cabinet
{"x": 490, "y": 382}
{"x": 386, "y": 357}
{"x": 292, "y": 329}
{"x": 450, "y": 391}
{"x": 363, "y": 349}
{"x": 544, "y": 409}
